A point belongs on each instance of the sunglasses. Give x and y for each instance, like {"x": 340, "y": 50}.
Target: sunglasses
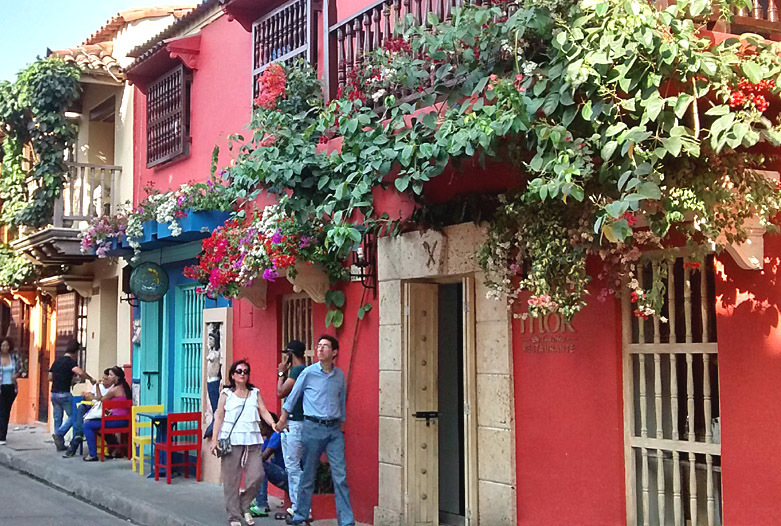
{"x": 241, "y": 371}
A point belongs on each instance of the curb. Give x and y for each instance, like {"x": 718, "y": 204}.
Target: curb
{"x": 102, "y": 497}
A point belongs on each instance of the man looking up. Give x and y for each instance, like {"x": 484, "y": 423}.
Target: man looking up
{"x": 292, "y": 449}
{"x": 324, "y": 392}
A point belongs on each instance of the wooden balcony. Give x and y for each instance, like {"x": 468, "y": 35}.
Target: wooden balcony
{"x": 90, "y": 191}
{"x": 762, "y": 19}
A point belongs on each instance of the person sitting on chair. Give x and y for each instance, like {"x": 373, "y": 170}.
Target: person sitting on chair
{"x": 119, "y": 390}
{"x": 95, "y": 394}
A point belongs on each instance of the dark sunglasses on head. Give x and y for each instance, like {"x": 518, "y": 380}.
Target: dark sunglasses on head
{"x": 241, "y": 371}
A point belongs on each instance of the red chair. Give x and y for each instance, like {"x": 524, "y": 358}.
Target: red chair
{"x": 183, "y": 440}
{"x": 108, "y": 406}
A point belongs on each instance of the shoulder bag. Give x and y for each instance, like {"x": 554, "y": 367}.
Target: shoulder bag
{"x": 224, "y": 445}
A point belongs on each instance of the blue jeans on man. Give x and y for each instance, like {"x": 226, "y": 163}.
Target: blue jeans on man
{"x": 62, "y": 402}
{"x": 78, "y": 419}
{"x": 316, "y": 439}
{"x": 274, "y": 474}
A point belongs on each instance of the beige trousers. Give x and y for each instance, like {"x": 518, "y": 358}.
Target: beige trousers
{"x": 247, "y": 461}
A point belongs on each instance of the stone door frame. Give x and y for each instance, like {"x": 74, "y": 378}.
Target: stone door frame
{"x": 436, "y": 256}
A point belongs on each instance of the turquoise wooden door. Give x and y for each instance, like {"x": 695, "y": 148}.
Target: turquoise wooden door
{"x": 152, "y": 366}
{"x": 188, "y": 320}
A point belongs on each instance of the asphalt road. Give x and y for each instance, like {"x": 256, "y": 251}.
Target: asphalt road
{"x": 26, "y": 502}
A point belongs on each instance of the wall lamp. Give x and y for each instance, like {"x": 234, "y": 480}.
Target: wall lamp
{"x": 364, "y": 267}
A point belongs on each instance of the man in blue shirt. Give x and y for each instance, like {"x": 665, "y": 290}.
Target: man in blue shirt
{"x": 324, "y": 392}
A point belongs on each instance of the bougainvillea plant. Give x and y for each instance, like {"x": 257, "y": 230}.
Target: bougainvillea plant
{"x": 626, "y": 124}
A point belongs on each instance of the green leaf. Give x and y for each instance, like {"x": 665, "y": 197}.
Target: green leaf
{"x": 587, "y": 111}
{"x": 682, "y": 104}
{"x": 363, "y": 310}
{"x": 608, "y": 149}
{"x": 752, "y": 71}
{"x": 401, "y": 183}
{"x": 615, "y": 129}
{"x": 551, "y": 103}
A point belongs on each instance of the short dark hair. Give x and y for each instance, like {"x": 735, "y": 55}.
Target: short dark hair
{"x": 105, "y": 371}
{"x": 10, "y": 342}
{"x": 72, "y": 347}
{"x": 332, "y": 339}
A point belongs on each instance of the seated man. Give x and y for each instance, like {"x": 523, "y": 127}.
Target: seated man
{"x": 95, "y": 394}
{"x": 273, "y": 465}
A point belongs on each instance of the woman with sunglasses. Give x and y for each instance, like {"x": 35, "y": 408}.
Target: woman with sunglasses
{"x": 237, "y": 418}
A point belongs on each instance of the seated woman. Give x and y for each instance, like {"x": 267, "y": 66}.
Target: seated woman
{"x": 95, "y": 394}
{"x": 120, "y": 390}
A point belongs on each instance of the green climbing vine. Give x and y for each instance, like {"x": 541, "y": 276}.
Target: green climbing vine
{"x": 37, "y": 134}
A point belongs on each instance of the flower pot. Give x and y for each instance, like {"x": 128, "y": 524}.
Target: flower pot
{"x": 150, "y": 231}
{"x": 255, "y": 293}
{"x": 312, "y": 279}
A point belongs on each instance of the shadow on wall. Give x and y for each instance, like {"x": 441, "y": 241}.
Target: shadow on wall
{"x": 745, "y": 293}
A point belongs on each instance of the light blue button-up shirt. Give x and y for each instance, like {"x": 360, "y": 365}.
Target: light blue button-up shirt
{"x": 324, "y": 393}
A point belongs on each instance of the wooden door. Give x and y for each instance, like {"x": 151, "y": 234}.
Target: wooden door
{"x": 422, "y": 471}
{"x": 150, "y": 361}
{"x": 187, "y": 348}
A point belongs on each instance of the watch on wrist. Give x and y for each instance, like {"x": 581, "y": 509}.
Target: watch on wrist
{"x": 281, "y": 374}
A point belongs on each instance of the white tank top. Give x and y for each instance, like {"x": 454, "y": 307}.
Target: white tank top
{"x": 247, "y": 430}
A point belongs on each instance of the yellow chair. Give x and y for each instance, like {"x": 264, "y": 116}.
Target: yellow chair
{"x": 140, "y": 441}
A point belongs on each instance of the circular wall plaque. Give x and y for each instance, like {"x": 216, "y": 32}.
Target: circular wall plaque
{"x": 149, "y": 282}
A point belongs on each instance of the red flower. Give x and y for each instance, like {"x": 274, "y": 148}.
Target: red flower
{"x": 631, "y": 219}
{"x": 693, "y": 265}
{"x": 271, "y": 86}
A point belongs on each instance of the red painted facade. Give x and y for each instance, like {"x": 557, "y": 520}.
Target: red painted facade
{"x": 569, "y": 423}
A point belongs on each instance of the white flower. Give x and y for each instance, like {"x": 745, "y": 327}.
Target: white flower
{"x": 377, "y": 95}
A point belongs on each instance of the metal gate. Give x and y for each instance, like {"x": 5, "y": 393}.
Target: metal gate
{"x": 671, "y": 402}
{"x": 188, "y": 342}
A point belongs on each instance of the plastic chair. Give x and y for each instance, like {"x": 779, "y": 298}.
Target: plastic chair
{"x": 180, "y": 441}
{"x": 108, "y": 406}
{"x": 140, "y": 441}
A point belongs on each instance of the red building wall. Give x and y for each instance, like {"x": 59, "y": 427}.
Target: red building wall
{"x": 220, "y": 104}
{"x": 569, "y": 419}
{"x": 750, "y": 375}
{"x": 257, "y": 336}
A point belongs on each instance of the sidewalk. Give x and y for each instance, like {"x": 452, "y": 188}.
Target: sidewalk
{"x": 112, "y": 485}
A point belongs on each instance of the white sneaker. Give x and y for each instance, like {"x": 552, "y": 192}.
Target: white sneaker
{"x": 2, "y": 442}
{"x": 290, "y": 511}
{"x": 249, "y": 519}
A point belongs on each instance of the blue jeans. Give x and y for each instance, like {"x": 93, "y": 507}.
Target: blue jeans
{"x": 78, "y": 420}
{"x": 62, "y": 402}
{"x": 274, "y": 474}
{"x": 316, "y": 439}
{"x": 91, "y": 426}
{"x": 293, "y": 451}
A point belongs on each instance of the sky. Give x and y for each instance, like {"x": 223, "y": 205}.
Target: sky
{"x": 28, "y": 27}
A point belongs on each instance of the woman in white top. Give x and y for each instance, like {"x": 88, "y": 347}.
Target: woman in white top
{"x": 238, "y": 417}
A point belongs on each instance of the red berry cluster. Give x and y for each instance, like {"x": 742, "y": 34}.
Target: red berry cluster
{"x": 395, "y": 45}
{"x": 752, "y": 93}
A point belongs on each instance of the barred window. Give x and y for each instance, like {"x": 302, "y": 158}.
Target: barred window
{"x": 297, "y": 323}
{"x": 282, "y": 35}
{"x": 168, "y": 117}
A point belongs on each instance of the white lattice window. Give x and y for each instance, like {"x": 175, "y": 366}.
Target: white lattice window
{"x": 297, "y": 323}
{"x": 671, "y": 400}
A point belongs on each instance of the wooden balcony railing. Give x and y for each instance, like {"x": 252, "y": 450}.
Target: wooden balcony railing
{"x": 283, "y": 35}
{"x": 762, "y": 18}
{"x": 90, "y": 191}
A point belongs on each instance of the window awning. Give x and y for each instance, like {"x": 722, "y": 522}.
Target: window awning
{"x": 162, "y": 57}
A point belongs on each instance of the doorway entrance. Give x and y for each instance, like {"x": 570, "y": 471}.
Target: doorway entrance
{"x": 441, "y": 474}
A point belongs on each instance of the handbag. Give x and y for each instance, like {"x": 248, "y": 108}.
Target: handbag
{"x": 95, "y": 412}
{"x": 224, "y": 445}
